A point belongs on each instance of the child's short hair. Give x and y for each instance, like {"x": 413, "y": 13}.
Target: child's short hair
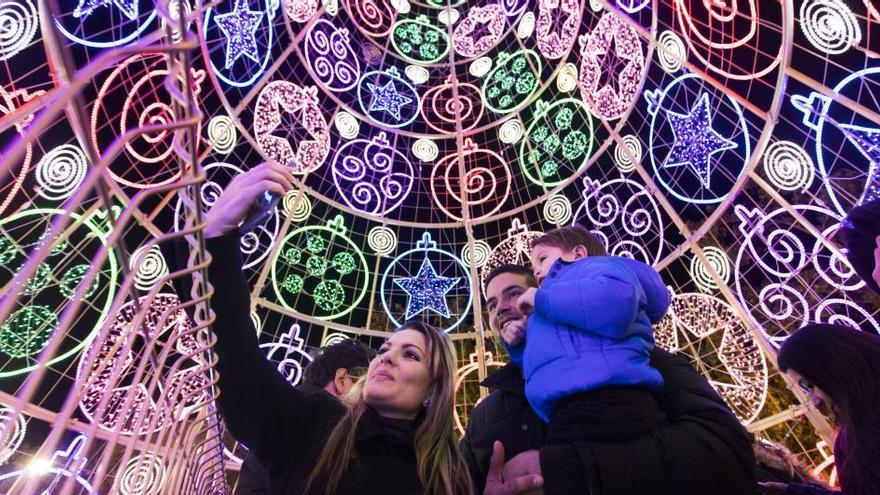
{"x": 568, "y": 238}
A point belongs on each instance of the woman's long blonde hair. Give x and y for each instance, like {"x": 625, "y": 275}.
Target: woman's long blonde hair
{"x": 440, "y": 466}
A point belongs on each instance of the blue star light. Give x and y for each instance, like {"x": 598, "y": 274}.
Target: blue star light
{"x": 427, "y": 291}
{"x": 240, "y": 27}
{"x": 867, "y": 140}
{"x": 388, "y": 99}
{"x": 695, "y": 140}
{"x": 86, "y": 7}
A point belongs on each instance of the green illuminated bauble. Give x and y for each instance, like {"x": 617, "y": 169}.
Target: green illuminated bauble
{"x": 27, "y": 331}
{"x": 50, "y": 290}
{"x": 320, "y": 271}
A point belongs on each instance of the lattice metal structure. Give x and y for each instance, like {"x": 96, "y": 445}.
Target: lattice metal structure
{"x": 721, "y": 142}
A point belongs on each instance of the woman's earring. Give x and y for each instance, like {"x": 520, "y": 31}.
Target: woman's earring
{"x": 426, "y": 403}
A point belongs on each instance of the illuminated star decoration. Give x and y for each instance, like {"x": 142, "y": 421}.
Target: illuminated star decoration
{"x": 867, "y": 140}
{"x": 86, "y": 7}
{"x": 240, "y": 27}
{"x": 427, "y": 291}
{"x": 612, "y": 65}
{"x": 695, "y": 140}
{"x": 388, "y": 99}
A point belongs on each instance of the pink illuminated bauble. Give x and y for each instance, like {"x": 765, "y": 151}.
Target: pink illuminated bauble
{"x": 301, "y": 10}
{"x": 480, "y": 30}
{"x": 612, "y": 66}
{"x": 447, "y": 104}
{"x": 484, "y": 185}
{"x": 557, "y": 26}
{"x": 140, "y": 83}
{"x": 290, "y": 128}
{"x": 11, "y": 180}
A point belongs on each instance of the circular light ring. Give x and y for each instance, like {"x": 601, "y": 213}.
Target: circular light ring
{"x": 382, "y": 240}
{"x": 788, "y": 166}
{"x": 61, "y": 171}
{"x": 557, "y": 209}
{"x": 222, "y": 134}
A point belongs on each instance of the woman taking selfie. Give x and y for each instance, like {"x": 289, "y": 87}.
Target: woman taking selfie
{"x": 394, "y": 436}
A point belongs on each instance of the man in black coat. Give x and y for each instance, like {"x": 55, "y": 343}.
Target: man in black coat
{"x": 333, "y": 371}
{"x": 704, "y": 449}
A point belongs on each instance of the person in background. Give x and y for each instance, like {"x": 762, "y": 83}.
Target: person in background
{"x": 839, "y": 369}
{"x": 861, "y": 235}
{"x": 703, "y": 449}
{"x": 334, "y": 371}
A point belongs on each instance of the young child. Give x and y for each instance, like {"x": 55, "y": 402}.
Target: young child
{"x": 585, "y": 351}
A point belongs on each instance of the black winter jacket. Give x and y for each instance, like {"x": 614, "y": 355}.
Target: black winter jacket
{"x": 704, "y": 450}
{"x": 284, "y": 427}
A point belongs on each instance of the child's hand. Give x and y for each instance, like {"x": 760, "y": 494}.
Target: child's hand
{"x": 526, "y": 301}
{"x": 513, "y": 332}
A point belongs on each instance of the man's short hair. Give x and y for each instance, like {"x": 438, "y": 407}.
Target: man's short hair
{"x": 351, "y": 354}
{"x": 568, "y": 238}
{"x": 511, "y": 268}
{"x": 860, "y": 231}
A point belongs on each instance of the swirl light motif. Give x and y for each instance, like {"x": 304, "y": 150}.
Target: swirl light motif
{"x": 328, "y": 52}
{"x": 382, "y": 240}
{"x": 13, "y": 428}
{"x": 626, "y": 216}
{"x": 671, "y": 53}
{"x": 736, "y": 367}
{"x": 222, "y": 134}
{"x": 718, "y": 33}
{"x": 480, "y": 67}
{"x": 60, "y": 172}
{"x": 417, "y": 74}
{"x": 526, "y": 25}
{"x": 788, "y": 166}
{"x": 334, "y": 338}
{"x": 567, "y": 78}
{"x": 829, "y": 25}
{"x": 346, "y": 124}
{"x": 374, "y": 18}
{"x": 447, "y": 106}
{"x": 296, "y": 205}
{"x": 611, "y": 51}
{"x": 557, "y": 209}
{"x": 718, "y": 263}
{"x": 19, "y": 20}
{"x": 483, "y": 189}
{"x": 511, "y": 131}
{"x": 627, "y": 153}
{"x": 289, "y": 355}
{"x": 844, "y": 312}
{"x": 143, "y": 475}
{"x": 478, "y": 255}
{"x": 372, "y": 176}
{"x": 425, "y": 150}
{"x": 149, "y": 267}
{"x": 140, "y": 81}
{"x": 787, "y": 263}
{"x": 293, "y": 112}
